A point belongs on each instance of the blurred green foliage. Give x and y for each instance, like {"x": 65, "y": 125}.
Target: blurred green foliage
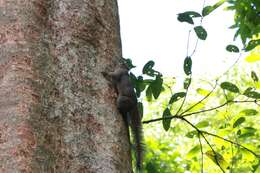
{"x": 193, "y": 125}
{"x": 247, "y": 18}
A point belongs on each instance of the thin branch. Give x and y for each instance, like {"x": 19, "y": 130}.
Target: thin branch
{"x": 204, "y": 98}
{"x": 168, "y": 88}
{"x": 184, "y": 99}
{"x": 224, "y": 104}
{"x": 188, "y": 44}
{"x": 198, "y": 112}
{"x": 160, "y": 119}
{"x": 201, "y": 133}
{"x": 239, "y": 56}
{"x": 232, "y": 142}
{"x": 195, "y": 48}
{"x": 215, "y": 153}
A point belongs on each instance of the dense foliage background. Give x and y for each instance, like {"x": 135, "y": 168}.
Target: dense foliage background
{"x": 197, "y": 125}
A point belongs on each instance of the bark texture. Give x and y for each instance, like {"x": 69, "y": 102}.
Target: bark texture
{"x": 57, "y": 112}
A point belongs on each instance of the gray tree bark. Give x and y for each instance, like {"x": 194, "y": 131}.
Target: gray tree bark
{"x": 57, "y": 112}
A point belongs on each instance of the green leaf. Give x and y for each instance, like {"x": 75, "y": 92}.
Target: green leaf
{"x": 252, "y": 94}
{"x": 208, "y": 9}
{"x": 149, "y": 94}
{"x": 245, "y": 135}
{"x": 232, "y": 48}
{"x": 148, "y": 68}
{"x": 166, "y": 122}
{"x": 256, "y": 166}
{"x": 200, "y": 32}
{"x": 202, "y": 91}
{"x": 187, "y": 65}
{"x": 191, "y": 134}
{"x": 202, "y": 124}
{"x": 151, "y": 168}
{"x": 193, "y": 152}
{"x": 249, "y": 129}
{"x": 239, "y": 121}
{"x": 128, "y": 63}
{"x": 192, "y": 13}
{"x": 252, "y": 44}
{"x": 229, "y": 86}
{"x": 218, "y": 159}
{"x": 254, "y": 76}
{"x": 187, "y": 83}
{"x": 175, "y": 97}
{"x": 156, "y": 86}
{"x": 185, "y": 18}
{"x": 249, "y": 112}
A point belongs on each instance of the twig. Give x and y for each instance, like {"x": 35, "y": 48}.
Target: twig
{"x": 215, "y": 153}
{"x": 184, "y": 99}
{"x": 224, "y": 104}
{"x": 204, "y": 98}
{"x": 201, "y": 133}
{"x": 198, "y": 112}
{"x": 188, "y": 44}
{"x": 232, "y": 142}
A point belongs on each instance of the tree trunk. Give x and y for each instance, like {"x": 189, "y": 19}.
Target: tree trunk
{"x": 57, "y": 111}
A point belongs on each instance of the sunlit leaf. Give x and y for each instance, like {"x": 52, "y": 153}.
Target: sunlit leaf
{"x": 187, "y": 65}
{"x": 166, "y": 122}
{"x": 218, "y": 159}
{"x": 193, "y": 152}
{"x": 232, "y": 48}
{"x": 257, "y": 85}
{"x": 208, "y": 9}
{"x": 202, "y": 124}
{"x": 200, "y": 32}
{"x": 239, "y": 121}
{"x": 175, "y": 97}
{"x": 198, "y": 106}
{"x": 202, "y": 91}
{"x": 254, "y": 55}
{"x": 229, "y": 86}
{"x": 249, "y": 112}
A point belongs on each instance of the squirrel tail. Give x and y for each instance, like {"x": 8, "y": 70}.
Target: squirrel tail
{"x": 137, "y": 132}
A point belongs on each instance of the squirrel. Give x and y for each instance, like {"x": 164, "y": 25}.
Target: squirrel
{"x": 127, "y": 106}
